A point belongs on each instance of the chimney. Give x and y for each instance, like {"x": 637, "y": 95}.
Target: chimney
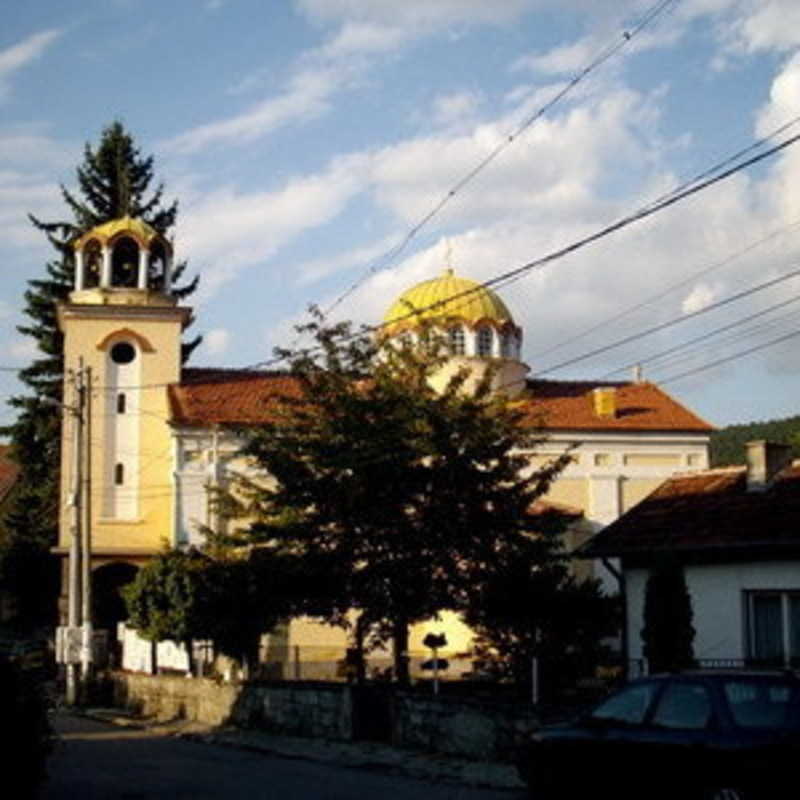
{"x": 604, "y": 399}
{"x": 764, "y": 461}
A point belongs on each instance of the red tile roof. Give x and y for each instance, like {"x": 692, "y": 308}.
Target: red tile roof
{"x": 222, "y": 396}
{"x": 9, "y": 471}
{"x": 708, "y": 512}
{"x": 208, "y": 396}
{"x": 568, "y": 405}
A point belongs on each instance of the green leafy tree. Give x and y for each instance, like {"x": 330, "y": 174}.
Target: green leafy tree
{"x": 169, "y": 597}
{"x": 114, "y": 180}
{"x": 411, "y": 493}
{"x": 668, "y": 634}
{"x": 533, "y": 606}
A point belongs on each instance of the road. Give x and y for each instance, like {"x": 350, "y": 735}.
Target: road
{"x": 99, "y": 761}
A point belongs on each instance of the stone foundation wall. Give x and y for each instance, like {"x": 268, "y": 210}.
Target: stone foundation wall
{"x": 294, "y": 708}
{"x": 455, "y": 726}
{"x": 482, "y": 730}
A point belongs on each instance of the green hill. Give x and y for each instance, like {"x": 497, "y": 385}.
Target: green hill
{"x": 728, "y": 444}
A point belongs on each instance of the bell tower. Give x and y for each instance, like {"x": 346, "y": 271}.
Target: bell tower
{"x": 122, "y": 349}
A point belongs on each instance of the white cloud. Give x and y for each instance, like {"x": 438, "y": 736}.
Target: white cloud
{"x": 453, "y": 108}
{"x": 227, "y": 230}
{"x": 216, "y": 341}
{"x": 19, "y": 55}
{"x": 699, "y": 298}
{"x": 415, "y": 13}
{"x": 305, "y": 98}
{"x": 23, "y": 349}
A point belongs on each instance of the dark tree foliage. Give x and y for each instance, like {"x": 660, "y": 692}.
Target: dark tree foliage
{"x": 413, "y": 494}
{"x": 728, "y": 444}
{"x": 532, "y": 605}
{"x": 114, "y": 180}
{"x": 668, "y": 634}
{"x": 25, "y": 731}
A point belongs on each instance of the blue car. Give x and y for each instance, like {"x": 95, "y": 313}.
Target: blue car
{"x": 710, "y": 735}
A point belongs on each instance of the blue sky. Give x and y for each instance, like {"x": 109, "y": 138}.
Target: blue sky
{"x": 305, "y": 139}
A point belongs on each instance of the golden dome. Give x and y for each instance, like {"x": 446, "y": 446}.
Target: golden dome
{"x": 134, "y": 227}
{"x": 447, "y": 298}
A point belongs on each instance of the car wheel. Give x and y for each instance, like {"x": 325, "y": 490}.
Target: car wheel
{"x": 725, "y": 793}
{"x": 540, "y": 780}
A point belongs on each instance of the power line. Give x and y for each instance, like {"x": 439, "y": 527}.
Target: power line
{"x": 703, "y": 337}
{"x": 663, "y": 293}
{"x": 611, "y": 50}
{"x": 664, "y": 325}
{"x": 733, "y": 357}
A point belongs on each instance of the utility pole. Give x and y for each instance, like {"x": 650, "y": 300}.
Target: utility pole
{"x": 76, "y": 520}
{"x": 84, "y": 405}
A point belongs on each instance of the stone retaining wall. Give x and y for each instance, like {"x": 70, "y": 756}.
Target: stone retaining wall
{"x": 300, "y": 709}
{"x": 461, "y": 727}
{"x": 455, "y": 726}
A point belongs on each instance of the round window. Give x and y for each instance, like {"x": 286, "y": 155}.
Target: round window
{"x": 123, "y": 353}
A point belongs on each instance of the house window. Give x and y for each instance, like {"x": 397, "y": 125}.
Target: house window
{"x": 119, "y": 474}
{"x": 456, "y": 341}
{"x": 484, "y": 341}
{"x": 773, "y": 628}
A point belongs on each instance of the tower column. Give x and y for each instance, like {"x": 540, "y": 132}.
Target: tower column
{"x": 168, "y": 263}
{"x": 144, "y": 254}
{"x": 105, "y": 269}
{"x": 80, "y": 279}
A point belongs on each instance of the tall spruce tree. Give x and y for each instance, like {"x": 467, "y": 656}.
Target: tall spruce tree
{"x": 114, "y": 180}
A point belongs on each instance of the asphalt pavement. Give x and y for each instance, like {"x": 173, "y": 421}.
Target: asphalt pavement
{"x": 105, "y": 755}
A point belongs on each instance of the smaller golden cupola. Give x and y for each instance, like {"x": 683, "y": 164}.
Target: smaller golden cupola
{"x": 479, "y": 329}
{"x": 122, "y": 261}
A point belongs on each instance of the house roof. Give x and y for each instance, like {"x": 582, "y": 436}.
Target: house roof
{"x": 220, "y": 396}
{"x": 9, "y": 471}
{"x": 710, "y": 512}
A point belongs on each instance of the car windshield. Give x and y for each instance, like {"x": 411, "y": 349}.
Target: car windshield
{"x": 763, "y": 702}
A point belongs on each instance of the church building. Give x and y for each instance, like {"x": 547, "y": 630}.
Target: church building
{"x": 157, "y": 435}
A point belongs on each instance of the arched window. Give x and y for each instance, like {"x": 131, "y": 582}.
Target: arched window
{"x": 125, "y": 264}
{"x": 484, "y": 347}
{"x": 119, "y": 474}
{"x": 92, "y": 264}
{"x": 456, "y": 341}
{"x": 121, "y": 403}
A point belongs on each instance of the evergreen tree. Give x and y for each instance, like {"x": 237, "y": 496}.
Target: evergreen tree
{"x": 668, "y": 633}
{"x": 114, "y": 180}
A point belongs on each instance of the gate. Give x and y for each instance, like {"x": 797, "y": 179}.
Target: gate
{"x": 372, "y": 712}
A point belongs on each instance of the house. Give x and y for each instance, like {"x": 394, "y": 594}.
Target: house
{"x": 160, "y": 435}
{"x": 9, "y": 472}
{"x": 736, "y": 532}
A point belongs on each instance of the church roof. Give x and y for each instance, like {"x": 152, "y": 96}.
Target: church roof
{"x": 133, "y": 226}
{"x": 220, "y": 396}
{"x": 446, "y": 298}
{"x": 568, "y": 405}
{"x": 227, "y": 396}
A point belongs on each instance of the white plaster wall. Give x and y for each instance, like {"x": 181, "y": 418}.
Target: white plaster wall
{"x": 717, "y": 600}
